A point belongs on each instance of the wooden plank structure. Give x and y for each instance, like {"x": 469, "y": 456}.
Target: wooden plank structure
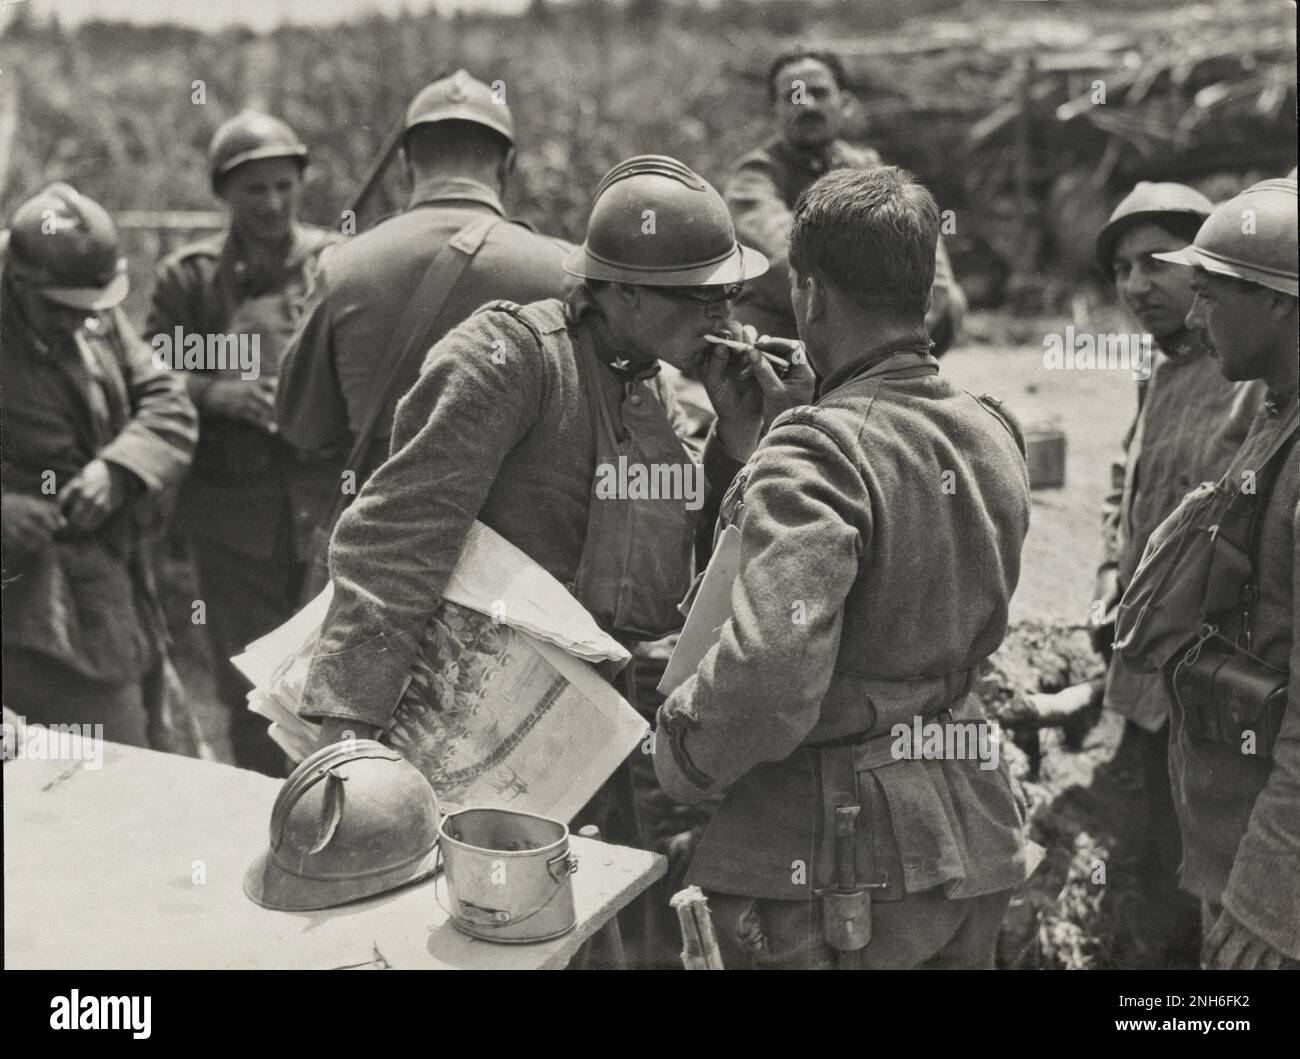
{"x": 139, "y": 864}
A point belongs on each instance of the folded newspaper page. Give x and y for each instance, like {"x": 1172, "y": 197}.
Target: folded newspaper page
{"x": 502, "y": 707}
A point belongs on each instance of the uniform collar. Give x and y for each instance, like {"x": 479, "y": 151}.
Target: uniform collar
{"x": 833, "y": 155}
{"x": 236, "y": 258}
{"x": 579, "y": 310}
{"x": 1278, "y": 403}
{"x": 896, "y": 360}
{"x": 1184, "y": 345}
{"x": 455, "y": 189}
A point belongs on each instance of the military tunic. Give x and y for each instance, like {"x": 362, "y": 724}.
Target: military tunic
{"x": 83, "y": 628}
{"x": 868, "y": 592}
{"x": 329, "y": 377}
{"x": 1191, "y": 423}
{"x": 1240, "y": 813}
{"x": 252, "y": 500}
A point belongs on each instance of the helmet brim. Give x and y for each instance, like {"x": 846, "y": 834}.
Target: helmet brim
{"x": 269, "y": 150}
{"x": 740, "y": 265}
{"x": 1191, "y": 257}
{"x": 272, "y": 886}
{"x": 92, "y": 299}
{"x": 1109, "y": 236}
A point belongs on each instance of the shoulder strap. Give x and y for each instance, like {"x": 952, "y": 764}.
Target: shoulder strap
{"x": 421, "y": 315}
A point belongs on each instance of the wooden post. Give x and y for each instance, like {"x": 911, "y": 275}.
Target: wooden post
{"x": 699, "y": 940}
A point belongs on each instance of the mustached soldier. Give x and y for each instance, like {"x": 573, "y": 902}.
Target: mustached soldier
{"x": 808, "y": 93}
{"x": 881, "y": 532}
{"x": 252, "y": 500}
{"x": 93, "y": 434}
{"x": 512, "y": 415}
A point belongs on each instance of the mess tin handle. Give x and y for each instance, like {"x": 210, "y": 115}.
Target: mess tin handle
{"x": 560, "y": 865}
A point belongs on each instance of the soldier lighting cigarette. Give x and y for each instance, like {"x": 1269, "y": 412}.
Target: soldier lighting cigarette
{"x": 780, "y": 366}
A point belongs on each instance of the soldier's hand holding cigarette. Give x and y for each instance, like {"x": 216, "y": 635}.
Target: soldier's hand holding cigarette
{"x": 768, "y": 376}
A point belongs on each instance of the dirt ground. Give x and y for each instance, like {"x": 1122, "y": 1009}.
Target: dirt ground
{"x": 1093, "y": 408}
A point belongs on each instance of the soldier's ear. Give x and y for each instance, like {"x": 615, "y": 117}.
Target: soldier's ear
{"x": 506, "y": 167}
{"x": 817, "y": 295}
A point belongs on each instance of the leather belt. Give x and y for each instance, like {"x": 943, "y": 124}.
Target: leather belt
{"x": 877, "y": 751}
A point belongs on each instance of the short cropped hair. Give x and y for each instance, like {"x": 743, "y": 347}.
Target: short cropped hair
{"x": 793, "y": 55}
{"x": 454, "y": 141}
{"x": 870, "y": 234}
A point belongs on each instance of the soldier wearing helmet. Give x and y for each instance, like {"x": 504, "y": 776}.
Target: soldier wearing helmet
{"x": 1189, "y": 425}
{"x": 881, "y": 531}
{"x": 93, "y": 433}
{"x": 522, "y": 417}
{"x": 458, "y": 153}
{"x": 808, "y": 93}
{"x": 1235, "y": 739}
{"x": 251, "y": 501}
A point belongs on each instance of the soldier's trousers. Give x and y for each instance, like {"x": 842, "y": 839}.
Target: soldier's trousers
{"x": 244, "y": 598}
{"x": 924, "y": 931}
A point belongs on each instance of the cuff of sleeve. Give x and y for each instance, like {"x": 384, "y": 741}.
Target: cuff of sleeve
{"x": 720, "y": 467}
{"x": 141, "y": 476}
{"x": 676, "y": 772}
{"x": 1276, "y": 919}
{"x": 362, "y": 683}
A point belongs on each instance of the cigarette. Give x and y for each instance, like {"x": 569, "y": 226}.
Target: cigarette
{"x": 780, "y": 366}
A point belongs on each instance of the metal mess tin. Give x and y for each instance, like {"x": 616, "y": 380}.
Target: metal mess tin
{"x": 1045, "y": 454}
{"x": 509, "y": 875}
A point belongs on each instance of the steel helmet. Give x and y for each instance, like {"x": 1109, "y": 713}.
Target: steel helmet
{"x": 461, "y": 97}
{"x": 1148, "y": 202}
{"x": 247, "y": 137}
{"x": 1251, "y": 237}
{"x": 66, "y": 244}
{"x": 354, "y": 819}
{"x": 657, "y": 223}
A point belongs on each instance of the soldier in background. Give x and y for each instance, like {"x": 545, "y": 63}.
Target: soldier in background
{"x": 93, "y": 433}
{"x": 1234, "y": 757}
{"x": 251, "y": 501}
{"x": 807, "y": 90}
{"x": 1190, "y": 424}
{"x": 458, "y": 153}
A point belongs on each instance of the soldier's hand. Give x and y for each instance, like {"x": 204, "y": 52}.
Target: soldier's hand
{"x": 336, "y": 730}
{"x": 28, "y": 523}
{"x": 789, "y": 387}
{"x": 249, "y": 400}
{"x": 735, "y": 395}
{"x": 99, "y": 489}
{"x": 1230, "y": 946}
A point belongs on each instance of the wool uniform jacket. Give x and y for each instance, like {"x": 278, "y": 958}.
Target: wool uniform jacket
{"x": 249, "y": 490}
{"x": 88, "y": 601}
{"x": 329, "y": 376}
{"x": 1189, "y": 427}
{"x": 1240, "y": 813}
{"x": 497, "y": 428}
{"x": 880, "y": 547}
